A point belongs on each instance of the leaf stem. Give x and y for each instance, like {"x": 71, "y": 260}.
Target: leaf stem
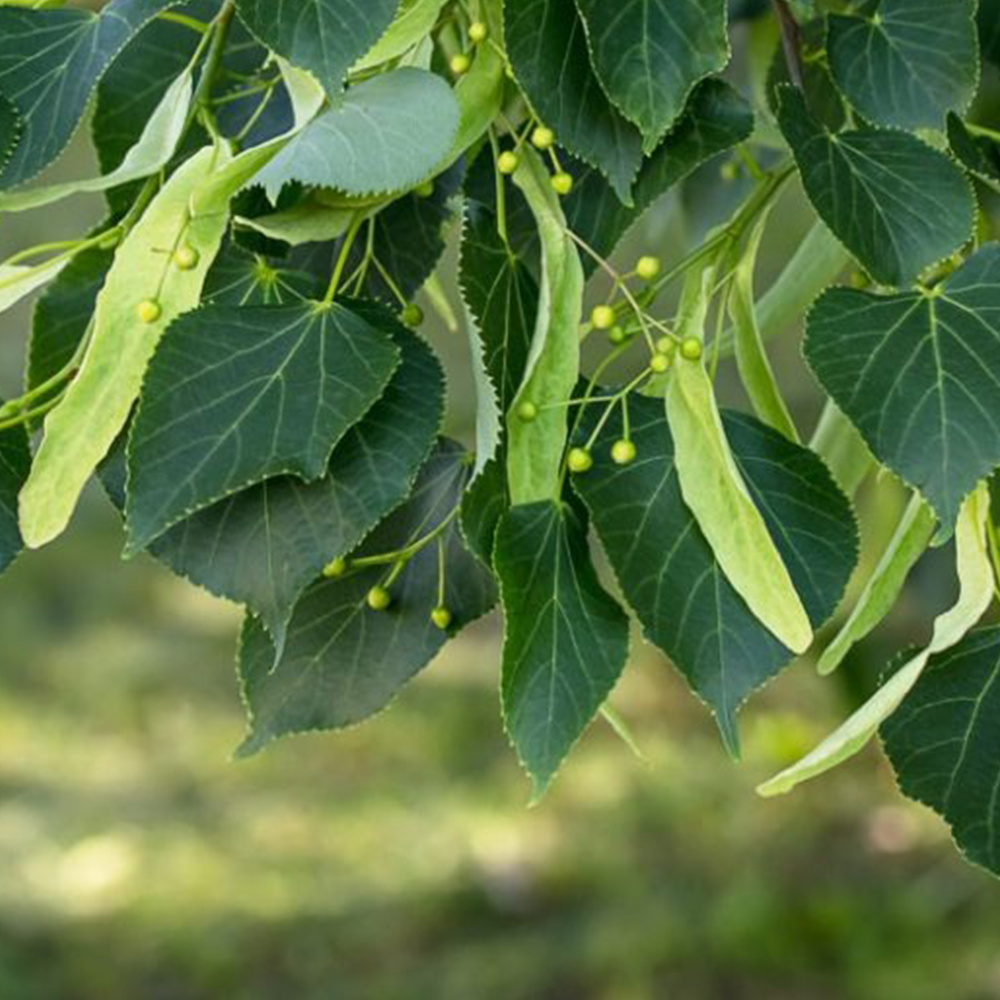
{"x": 345, "y": 252}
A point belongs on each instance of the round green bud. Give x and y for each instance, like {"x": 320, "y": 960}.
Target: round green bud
{"x": 424, "y": 190}
{"x": 149, "y": 311}
{"x": 666, "y": 345}
{"x": 648, "y": 267}
{"x": 579, "y": 460}
{"x": 562, "y": 183}
{"x": 508, "y": 162}
{"x": 478, "y": 32}
{"x": 527, "y": 411}
{"x": 543, "y": 137}
{"x": 336, "y": 568}
{"x": 379, "y": 598}
{"x": 602, "y": 317}
{"x": 617, "y": 334}
{"x": 441, "y": 618}
{"x": 412, "y": 315}
{"x": 659, "y": 363}
{"x": 622, "y": 452}
{"x": 187, "y": 258}
{"x": 691, "y": 348}
{"x": 729, "y": 171}
{"x": 460, "y": 64}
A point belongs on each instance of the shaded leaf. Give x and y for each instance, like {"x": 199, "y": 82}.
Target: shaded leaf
{"x": 907, "y": 62}
{"x": 15, "y": 460}
{"x": 942, "y": 743}
{"x": 50, "y": 63}
{"x": 342, "y": 661}
{"x": 240, "y": 278}
{"x": 323, "y": 36}
{"x": 264, "y": 545}
{"x": 896, "y": 203}
{"x": 565, "y": 640}
{"x": 236, "y": 395}
{"x": 668, "y": 572}
{"x": 916, "y": 372}
{"x": 547, "y": 46}
{"x": 978, "y": 154}
{"x": 649, "y": 54}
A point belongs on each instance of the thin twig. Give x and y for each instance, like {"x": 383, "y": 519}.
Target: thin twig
{"x": 791, "y": 42}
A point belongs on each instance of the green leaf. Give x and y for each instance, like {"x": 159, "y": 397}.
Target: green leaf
{"x": 908, "y": 62}
{"x": 916, "y": 373}
{"x": 64, "y": 312}
{"x": 751, "y": 357}
{"x": 152, "y": 152}
{"x": 264, "y": 545}
{"x": 502, "y": 296}
{"x": 10, "y": 130}
{"x": 15, "y": 460}
{"x": 976, "y": 582}
{"x": 822, "y": 97}
{"x": 908, "y": 543}
{"x": 342, "y": 661}
{"x": 897, "y": 204}
{"x": 191, "y": 208}
{"x": 307, "y": 221}
{"x": 942, "y": 743}
{"x": 988, "y": 18}
{"x": 979, "y": 155}
{"x": 236, "y": 395}
{"x": 547, "y": 47}
{"x": 667, "y": 569}
{"x": 566, "y": 640}
{"x": 716, "y": 119}
{"x": 414, "y": 21}
{"x": 534, "y": 458}
{"x": 323, "y": 36}
{"x": 240, "y": 278}
{"x": 50, "y": 63}
{"x": 649, "y": 54}
{"x": 716, "y": 493}
{"x": 386, "y": 134}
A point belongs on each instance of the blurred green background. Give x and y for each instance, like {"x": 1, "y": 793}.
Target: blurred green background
{"x": 399, "y": 859}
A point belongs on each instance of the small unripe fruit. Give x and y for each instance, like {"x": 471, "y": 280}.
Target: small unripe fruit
{"x": 562, "y": 183}
{"x": 543, "y": 137}
{"x": 334, "y": 569}
{"x": 424, "y": 190}
{"x": 729, "y": 171}
{"x": 187, "y": 258}
{"x": 617, "y": 335}
{"x": 579, "y": 460}
{"x": 691, "y": 348}
{"x": 412, "y": 315}
{"x": 659, "y": 363}
{"x": 379, "y": 598}
{"x": 527, "y": 411}
{"x": 149, "y": 311}
{"x": 460, "y": 64}
{"x": 602, "y": 317}
{"x": 648, "y": 268}
{"x": 622, "y": 452}
{"x": 441, "y": 618}
{"x": 667, "y": 346}
{"x": 508, "y": 162}
{"x": 478, "y": 32}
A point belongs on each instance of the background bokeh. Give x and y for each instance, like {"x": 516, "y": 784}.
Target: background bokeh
{"x": 400, "y": 859}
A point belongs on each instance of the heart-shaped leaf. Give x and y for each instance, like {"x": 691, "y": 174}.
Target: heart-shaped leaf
{"x": 236, "y": 395}
{"x": 343, "y": 661}
{"x": 896, "y": 203}
{"x": 916, "y": 372}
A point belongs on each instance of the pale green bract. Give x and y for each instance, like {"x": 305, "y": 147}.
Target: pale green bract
{"x": 414, "y": 20}
{"x": 152, "y": 152}
{"x": 19, "y": 280}
{"x": 714, "y": 489}
{"x": 976, "y": 582}
{"x": 908, "y": 543}
{"x": 79, "y": 432}
{"x": 534, "y": 458}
